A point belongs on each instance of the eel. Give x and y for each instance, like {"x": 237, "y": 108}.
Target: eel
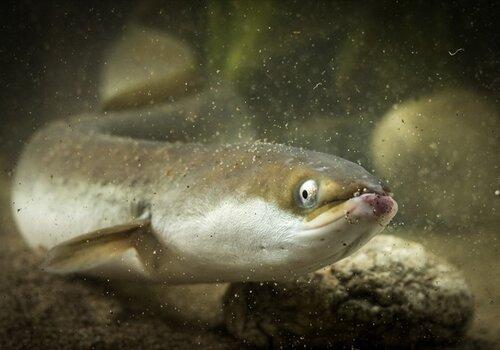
{"x": 152, "y": 194}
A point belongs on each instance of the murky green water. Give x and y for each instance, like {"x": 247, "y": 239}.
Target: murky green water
{"x": 409, "y": 91}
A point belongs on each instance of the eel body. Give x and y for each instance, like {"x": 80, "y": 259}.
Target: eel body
{"x": 149, "y": 194}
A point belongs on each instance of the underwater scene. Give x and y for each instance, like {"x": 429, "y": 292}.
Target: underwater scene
{"x": 249, "y": 175}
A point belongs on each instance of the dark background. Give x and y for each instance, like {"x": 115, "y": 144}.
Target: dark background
{"x": 51, "y": 51}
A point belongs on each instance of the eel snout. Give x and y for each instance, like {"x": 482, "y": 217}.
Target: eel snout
{"x": 382, "y": 205}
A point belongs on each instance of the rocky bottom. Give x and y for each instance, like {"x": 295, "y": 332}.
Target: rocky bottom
{"x": 392, "y": 293}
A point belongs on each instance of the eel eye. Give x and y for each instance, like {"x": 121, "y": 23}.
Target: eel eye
{"x": 307, "y": 195}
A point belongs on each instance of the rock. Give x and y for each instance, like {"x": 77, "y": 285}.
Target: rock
{"x": 391, "y": 293}
{"x": 438, "y": 150}
{"x": 145, "y": 67}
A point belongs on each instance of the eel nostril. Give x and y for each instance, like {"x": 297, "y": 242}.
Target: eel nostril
{"x": 385, "y": 188}
{"x": 377, "y": 188}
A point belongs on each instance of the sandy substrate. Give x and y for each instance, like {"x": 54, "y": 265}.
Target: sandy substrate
{"x": 39, "y": 311}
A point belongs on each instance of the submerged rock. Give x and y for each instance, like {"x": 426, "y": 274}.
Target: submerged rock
{"x": 146, "y": 67}
{"x": 391, "y": 293}
{"x": 440, "y": 154}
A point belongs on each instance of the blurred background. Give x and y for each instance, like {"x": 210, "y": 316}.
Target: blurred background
{"x": 409, "y": 90}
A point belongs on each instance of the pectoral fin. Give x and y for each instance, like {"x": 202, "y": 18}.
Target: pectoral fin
{"x": 95, "y": 248}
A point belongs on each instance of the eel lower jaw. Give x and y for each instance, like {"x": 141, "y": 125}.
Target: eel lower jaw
{"x": 339, "y": 230}
{"x": 367, "y": 207}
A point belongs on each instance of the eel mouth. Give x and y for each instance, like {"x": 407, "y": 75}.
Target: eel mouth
{"x": 380, "y": 208}
{"x": 336, "y": 230}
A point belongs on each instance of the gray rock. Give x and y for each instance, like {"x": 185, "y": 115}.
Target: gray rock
{"x": 146, "y": 67}
{"x": 440, "y": 149}
{"x": 391, "y": 293}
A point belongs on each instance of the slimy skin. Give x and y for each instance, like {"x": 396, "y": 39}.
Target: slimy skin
{"x": 217, "y": 212}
